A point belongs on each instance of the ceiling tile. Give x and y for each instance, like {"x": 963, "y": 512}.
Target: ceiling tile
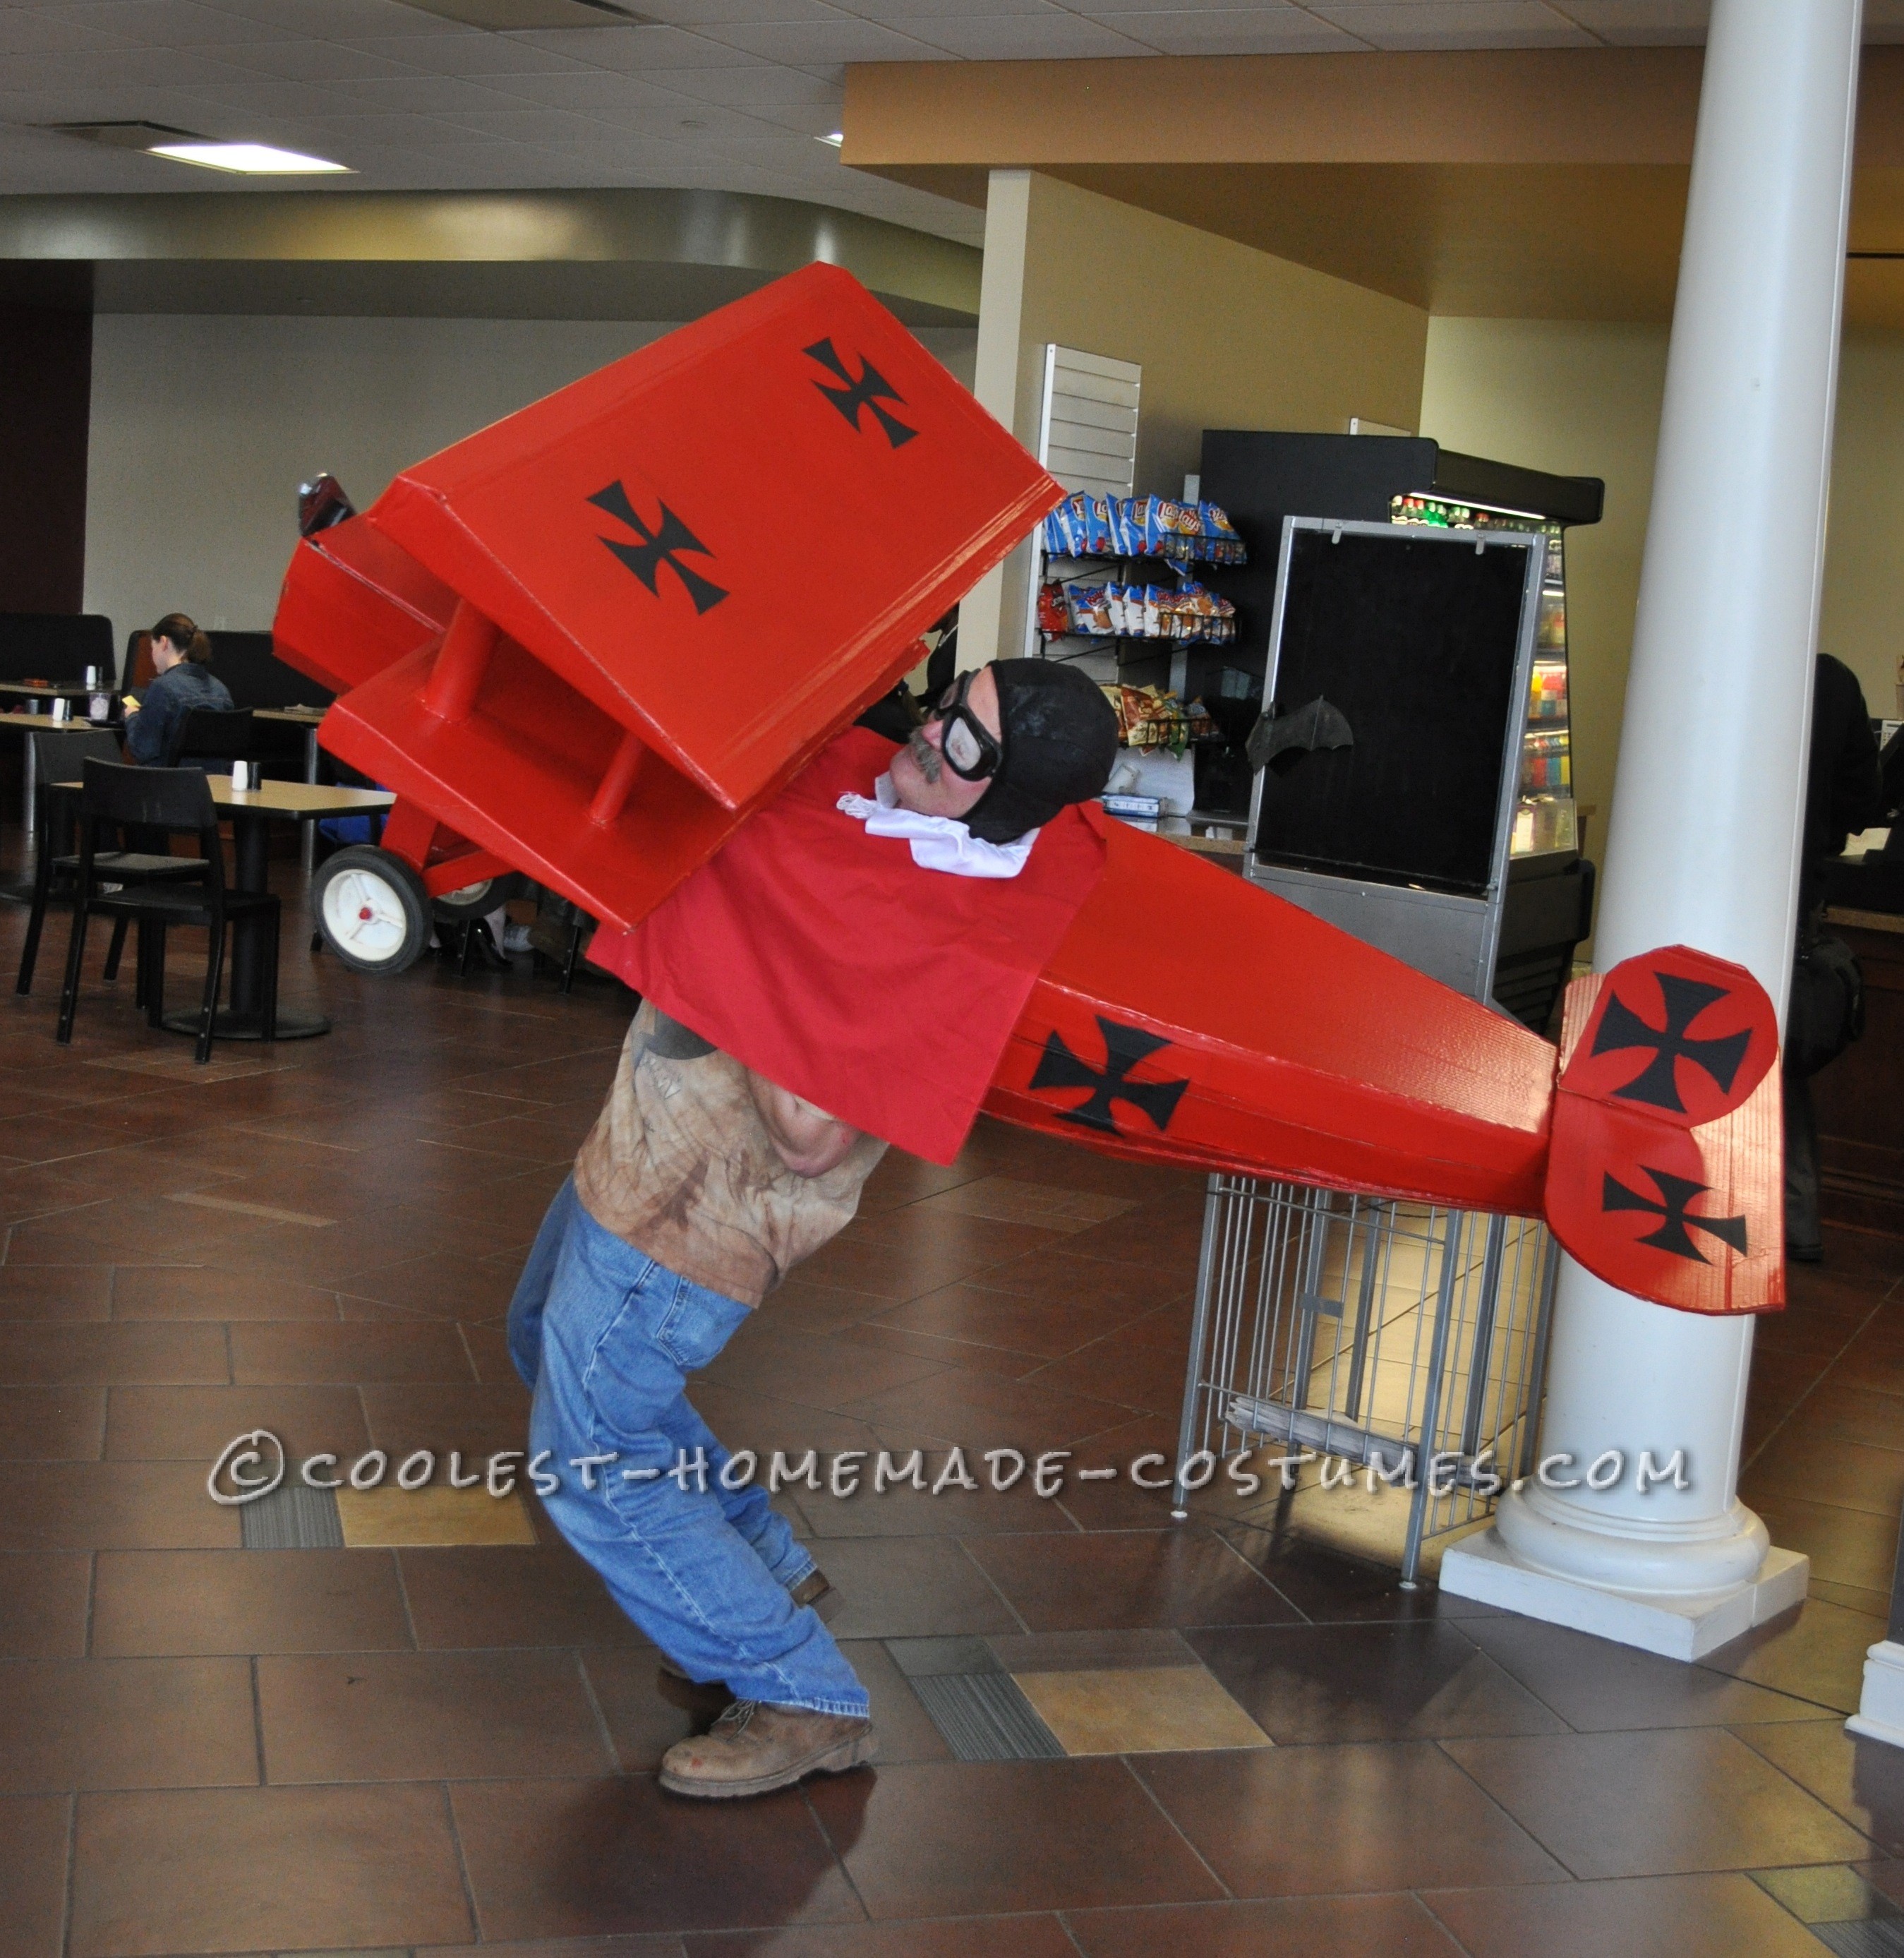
{"x": 23, "y": 32}
{"x": 1051, "y": 36}
{"x": 167, "y": 24}
{"x": 811, "y": 120}
{"x": 1455, "y": 23}
{"x": 900, "y": 14}
{"x": 635, "y": 50}
{"x": 426, "y": 94}
{"x": 315, "y": 61}
{"x": 589, "y": 92}
{"x": 1647, "y": 22}
{"x": 342, "y": 20}
{"x": 132, "y": 68}
{"x": 749, "y": 87}
{"x": 742, "y": 13}
{"x": 474, "y": 55}
{"x": 844, "y": 39}
{"x": 1231, "y": 31}
{"x": 264, "y": 96}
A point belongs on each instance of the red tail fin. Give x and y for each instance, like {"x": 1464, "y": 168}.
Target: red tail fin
{"x": 1665, "y": 1173}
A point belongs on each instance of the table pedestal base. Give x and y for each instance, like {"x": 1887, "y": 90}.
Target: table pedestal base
{"x": 229, "y": 1024}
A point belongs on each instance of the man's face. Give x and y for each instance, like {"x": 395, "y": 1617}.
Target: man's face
{"x": 920, "y": 779}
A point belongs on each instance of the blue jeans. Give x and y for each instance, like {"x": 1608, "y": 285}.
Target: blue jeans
{"x": 606, "y": 1336}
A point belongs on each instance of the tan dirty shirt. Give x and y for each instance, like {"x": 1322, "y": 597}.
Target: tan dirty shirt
{"x": 680, "y": 1165}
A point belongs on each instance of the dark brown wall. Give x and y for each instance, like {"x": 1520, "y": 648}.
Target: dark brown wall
{"x": 45, "y": 391}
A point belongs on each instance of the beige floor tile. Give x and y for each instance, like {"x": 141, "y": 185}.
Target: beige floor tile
{"x": 1139, "y": 1710}
{"x": 408, "y": 1519}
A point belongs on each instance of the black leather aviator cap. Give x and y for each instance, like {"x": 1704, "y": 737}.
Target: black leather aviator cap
{"x": 1060, "y": 740}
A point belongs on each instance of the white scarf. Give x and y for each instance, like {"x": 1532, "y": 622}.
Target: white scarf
{"x": 939, "y": 842}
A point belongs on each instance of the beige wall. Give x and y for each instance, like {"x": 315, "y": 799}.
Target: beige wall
{"x": 1580, "y": 399}
{"x": 1583, "y": 398}
{"x": 203, "y": 426}
{"x": 1227, "y": 337}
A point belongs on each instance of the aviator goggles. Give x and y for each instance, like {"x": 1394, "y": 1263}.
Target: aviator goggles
{"x": 972, "y": 752}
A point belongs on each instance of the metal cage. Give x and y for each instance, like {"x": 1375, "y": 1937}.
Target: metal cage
{"x": 1402, "y": 1338}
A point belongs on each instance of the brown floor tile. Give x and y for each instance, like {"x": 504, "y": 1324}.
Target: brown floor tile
{"x": 476, "y": 1420}
{"x": 264, "y": 1869}
{"x": 195, "y": 1291}
{"x": 1845, "y": 1546}
{"x": 113, "y": 1506}
{"x": 812, "y": 1369}
{"x": 912, "y": 1587}
{"x": 1330, "y": 1587}
{"x": 194, "y": 1424}
{"x": 442, "y": 1286}
{"x": 1139, "y": 1710}
{"x": 1641, "y": 1917}
{"x": 43, "y": 1598}
{"x": 1846, "y": 1473}
{"x": 982, "y": 1316}
{"x": 479, "y": 1598}
{"x": 426, "y": 1716}
{"x": 1374, "y": 1818}
{"x": 1815, "y": 1653}
{"x": 1115, "y": 1369}
{"x": 1598, "y": 1686}
{"x": 33, "y": 1832}
{"x": 1658, "y": 1803}
{"x": 1040, "y": 1937}
{"x": 52, "y": 1424}
{"x": 1842, "y": 1410}
{"x": 798, "y": 1304}
{"x": 487, "y": 1348}
{"x": 900, "y": 1510}
{"x": 578, "y": 1859}
{"x": 126, "y": 1723}
{"x": 310, "y": 1355}
{"x": 1392, "y": 1682}
{"x": 112, "y": 1355}
{"x": 905, "y": 1729}
{"x": 1101, "y": 1579}
{"x": 65, "y": 1292}
{"x": 644, "y": 1716}
{"x": 247, "y": 1601}
{"x": 991, "y": 1836}
{"x": 661, "y": 1945}
{"x": 900, "y": 1270}
{"x": 1863, "y": 1781}
{"x": 976, "y": 1412}
{"x": 1398, "y": 1927}
{"x": 883, "y": 1338}
{"x": 1064, "y": 1277}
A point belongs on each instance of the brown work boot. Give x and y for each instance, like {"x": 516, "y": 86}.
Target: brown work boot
{"x": 754, "y": 1747}
{"x": 812, "y": 1589}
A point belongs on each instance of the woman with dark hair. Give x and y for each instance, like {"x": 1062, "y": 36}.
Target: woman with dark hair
{"x": 182, "y": 660}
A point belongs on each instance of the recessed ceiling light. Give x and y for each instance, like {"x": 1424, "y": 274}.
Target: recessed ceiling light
{"x": 515, "y": 17}
{"x": 836, "y": 139}
{"x": 251, "y": 160}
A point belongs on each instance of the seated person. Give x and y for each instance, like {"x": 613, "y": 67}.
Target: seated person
{"x": 182, "y": 660}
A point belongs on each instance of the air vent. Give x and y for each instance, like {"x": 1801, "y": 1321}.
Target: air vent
{"x": 127, "y": 135}
{"x": 516, "y": 16}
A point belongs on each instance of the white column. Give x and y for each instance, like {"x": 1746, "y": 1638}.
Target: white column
{"x": 1703, "y": 846}
{"x": 984, "y": 632}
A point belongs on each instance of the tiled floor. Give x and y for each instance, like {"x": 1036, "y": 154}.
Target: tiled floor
{"x": 440, "y": 1736}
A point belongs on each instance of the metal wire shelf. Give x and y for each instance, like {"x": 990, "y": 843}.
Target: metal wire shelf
{"x": 1400, "y": 1338}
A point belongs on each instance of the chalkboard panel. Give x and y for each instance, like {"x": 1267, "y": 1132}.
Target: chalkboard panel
{"x": 1412, "y": 635}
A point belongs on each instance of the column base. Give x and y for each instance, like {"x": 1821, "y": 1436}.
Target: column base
{"x": 1880, "y": 1706}
{"x": 1482, "y": 1567}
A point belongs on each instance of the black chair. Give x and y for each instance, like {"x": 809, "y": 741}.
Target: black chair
{"x": 212, "y": 735}
{"x": 177, "y": 801}
{"x": 59, "y": 756}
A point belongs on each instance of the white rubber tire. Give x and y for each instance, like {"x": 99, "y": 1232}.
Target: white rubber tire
{"x": 371, "y": 909}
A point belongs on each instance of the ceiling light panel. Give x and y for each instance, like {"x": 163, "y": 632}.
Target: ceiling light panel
{"x": 250, "y": 159}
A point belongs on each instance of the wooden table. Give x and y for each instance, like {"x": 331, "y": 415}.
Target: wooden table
{"x": 30, "y": 724}
{"x": 252, "y": 812}
{"x": 310, "y": 719}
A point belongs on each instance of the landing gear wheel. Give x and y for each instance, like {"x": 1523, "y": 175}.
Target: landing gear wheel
{"x": 478, "y": 900}
{"x": 371, "y": 909}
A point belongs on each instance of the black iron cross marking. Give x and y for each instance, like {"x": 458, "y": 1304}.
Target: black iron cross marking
{"x": 660, "y": 546}
{"x": 1686, "y": 999}
{"x": 868, "y": 391}
{"x": 1677, "y": 1224}
{"x": 1124, "y": 1047}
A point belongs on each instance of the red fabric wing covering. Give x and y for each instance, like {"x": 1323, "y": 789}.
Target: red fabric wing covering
{"x": 1190, "y": 1017}
{"x": 827, "y": 960}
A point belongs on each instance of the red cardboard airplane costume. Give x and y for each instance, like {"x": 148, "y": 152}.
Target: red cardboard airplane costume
{"x": 616, "y": 641}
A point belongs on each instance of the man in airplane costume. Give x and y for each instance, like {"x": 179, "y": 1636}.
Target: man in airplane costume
{"x": 703, "y": 1182}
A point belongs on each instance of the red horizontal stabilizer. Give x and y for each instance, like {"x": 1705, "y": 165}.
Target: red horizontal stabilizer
{"x": 724, "y": 542}
{"x": 1190, "y": 1017}
{"x": 1666, "y": 1175}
